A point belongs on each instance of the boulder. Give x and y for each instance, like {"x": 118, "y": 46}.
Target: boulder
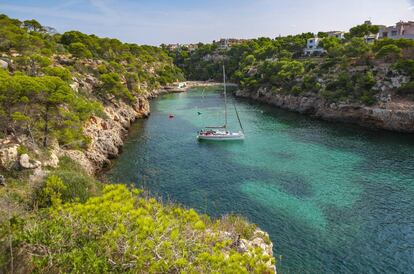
{"x": 243, "y": 246}
{"x": 27, "y": 163}
{"x": 4, "y": 64}
{"x": 38, "y": 175}
{"x": 75, "y": 86}
{"x": 80, "y": 158}
{"x": 8, "y": 156}
{"x": 53, "y": 161}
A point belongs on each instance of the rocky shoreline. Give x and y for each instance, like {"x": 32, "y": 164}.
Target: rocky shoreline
{"x": 107, "y": 135}
{"x": 393, "y": 115}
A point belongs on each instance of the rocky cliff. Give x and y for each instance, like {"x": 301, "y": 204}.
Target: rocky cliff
{"x": 390, "y": 114}
{"x": 107, "y": 134}
{"x": 106, "y": 140}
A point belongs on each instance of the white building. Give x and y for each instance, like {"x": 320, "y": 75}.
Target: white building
{"x": 400, "y": 30}
{"x": 338, "y": 34}
{"x": 371, "y": 38}
{"x": 312, "y": 46}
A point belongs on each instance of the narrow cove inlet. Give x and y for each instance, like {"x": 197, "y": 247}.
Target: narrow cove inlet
{"x": 334, "y": 198}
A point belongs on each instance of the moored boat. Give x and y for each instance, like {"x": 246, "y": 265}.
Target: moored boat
{"x": 222, "y": 133}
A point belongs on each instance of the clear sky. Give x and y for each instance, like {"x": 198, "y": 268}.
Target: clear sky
{"x": 190, "y": 21}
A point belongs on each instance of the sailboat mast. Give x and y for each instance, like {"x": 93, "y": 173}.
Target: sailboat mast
{"x": 238, "y": 117}
{"x": 225, "y": 97}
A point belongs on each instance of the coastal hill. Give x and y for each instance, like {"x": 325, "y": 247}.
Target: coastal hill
{"x": 350, "y": 77}
{"x": 66, "y": 103}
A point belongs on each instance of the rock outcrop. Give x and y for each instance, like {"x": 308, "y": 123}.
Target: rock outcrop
{"x": 392, "y": 115}
{"x": 259, "y": 239}
{"x": 8, "y": 153}
{"x": 4, "y": 64}
{"x": 107, "y": 134}
{"x": 52, "y": 161}
{"x": 27, "y": 163}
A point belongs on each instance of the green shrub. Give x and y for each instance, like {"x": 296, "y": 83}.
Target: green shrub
{"x": 407, "y": 90}
{"x": 122, "y": 231}
{"x": 51, "y": 192}
{"x": 357, "y": 47}
{"x": 22, "y": 150}
{"x": 62, "y": 73}
{"x": 79, "y": 50}
{"x": 406, "y": 67}
{"x": 362, "y": 30}
{"x": 112, "y": 85}
{"x": 73, "y": 182}
{"x": 368, "y": 98}
{"x": 296, "y": 90}
{"x": 400, "y": 43}
{"x": 102, "y": 69}
{"x": 389, "y": 52}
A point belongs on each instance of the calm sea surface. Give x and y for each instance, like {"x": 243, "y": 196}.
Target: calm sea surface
{"x": 334, "y": 198}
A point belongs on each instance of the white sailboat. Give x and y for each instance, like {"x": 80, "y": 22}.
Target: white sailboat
{"x": 221, "y": 133}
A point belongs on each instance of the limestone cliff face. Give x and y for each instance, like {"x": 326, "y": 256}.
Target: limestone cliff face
{"x": 107, "y": 134}
{"x": 393, "y": 114}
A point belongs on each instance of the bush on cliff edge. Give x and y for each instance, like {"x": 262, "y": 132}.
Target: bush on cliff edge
{"x": 123, "y": 231}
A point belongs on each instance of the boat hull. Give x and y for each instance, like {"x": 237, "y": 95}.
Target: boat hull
{"x": 234, "y": 137}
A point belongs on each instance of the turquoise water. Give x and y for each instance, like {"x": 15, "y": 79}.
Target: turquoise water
{"x": 334, "y": 198}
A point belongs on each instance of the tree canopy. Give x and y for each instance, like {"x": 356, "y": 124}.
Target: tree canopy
{"x": 36, "y": 97}
{"x": 363, "y": 30}
{"x": 280, "y": 65}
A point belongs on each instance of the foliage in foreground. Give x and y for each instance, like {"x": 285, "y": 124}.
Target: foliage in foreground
{"x": 69, "y": 180}
{"x": 124, "y": 231}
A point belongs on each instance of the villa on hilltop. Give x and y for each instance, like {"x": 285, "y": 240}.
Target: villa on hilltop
{"x": 338, "y": 34}
{"x": 223, "y": 43}
{"x": 400, "y": 30}
{"x": 190, "y": 47}
{"x": 313, "y": 47}
{"x": 226, "y": 43}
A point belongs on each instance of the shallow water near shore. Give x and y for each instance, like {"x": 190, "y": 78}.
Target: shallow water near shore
{"x": 335, "y": 198}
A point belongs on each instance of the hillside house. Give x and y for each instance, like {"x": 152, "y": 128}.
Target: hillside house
{"x": 400, "y": 30}
{"x": 226, "y": 43}
{"x": 172, "y": 47}
{"x": 313, "y": 47}
{"x": 371, "y": 38}
{"x": 338, "y": 34}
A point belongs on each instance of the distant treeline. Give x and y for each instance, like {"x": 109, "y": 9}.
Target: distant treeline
{"x": 280, "y": 64}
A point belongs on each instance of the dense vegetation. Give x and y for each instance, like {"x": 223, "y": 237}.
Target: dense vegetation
{"x": 77, "y": 225}
{"x": 64, "y": 220}
{"x": 347, "y": 71}
{"x": 36, "y": 95}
